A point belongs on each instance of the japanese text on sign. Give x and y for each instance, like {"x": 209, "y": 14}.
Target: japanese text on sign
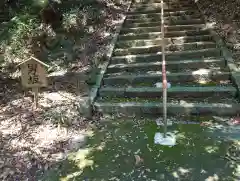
{"x": 33, "y": 77}
{"x": 33, "y": 73}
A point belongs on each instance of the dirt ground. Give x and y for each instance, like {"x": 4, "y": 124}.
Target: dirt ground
{"x": 225, "y": 15}
{"x": 33, "y": 140}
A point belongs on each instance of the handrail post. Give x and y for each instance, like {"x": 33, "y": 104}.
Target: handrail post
{"x": 164, "y": 77}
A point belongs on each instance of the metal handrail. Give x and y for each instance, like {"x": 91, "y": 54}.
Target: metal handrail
{"x": 164, "y": 76}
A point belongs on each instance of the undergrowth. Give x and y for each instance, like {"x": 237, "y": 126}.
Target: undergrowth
{"x": 21, "y": 32}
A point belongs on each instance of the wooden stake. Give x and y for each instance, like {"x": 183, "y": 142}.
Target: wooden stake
{"x": 164, "y": 77}
{"x": 35, "y": 93}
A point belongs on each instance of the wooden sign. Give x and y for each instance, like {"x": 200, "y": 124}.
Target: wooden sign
{"x": 33, "y": 75}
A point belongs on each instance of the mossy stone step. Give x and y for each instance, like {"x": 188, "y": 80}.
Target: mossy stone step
{"x": 181, "y": 108}
{"x": 154, "y": 35}
{"x": 177, "y": 55}
{"x": 176, "y": 92}
{"x": 168, "y": 28}
{"x": 158, "y": 41}
{"x": 167, "y": 22}
{"x": 183, "y": 78}
{"x": 168, "y": 18}
{"x": 157, "y": 4}
{"x": 216, "y": 99}
{"x": 167, "y": 7}
{"x": 159, "y": 1}
{"x": 151, "y": 15}
{"x": 167, "y": 15}
{"x": 157, "y": 10}
{"x": 168, "y": 47}
{"x": 171, "y": 67}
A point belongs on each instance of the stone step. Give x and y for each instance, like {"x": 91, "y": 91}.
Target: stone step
{"x": 158, "y": 10}
{"x": 167, "y": 22}
{"x": 167, "y": 15}
{"x": 4, "y": 19}
{"x": 158, "y": 41}
{"x": 154, "y": 35}
{"x": 196, "y": 27}
{"x": 168, "y": 47}
{"x": 159, "y": 1}
{"x": 158, "y": 4}
{"x": 195, "y": 78}
{"x": 176, "y": 92}
{"x": 158, "y": 18}
{"x": 178, "y": 55}
{"x": 176, "y": 108}
{"x": 158, "y": 14}
{"x": 157, "y": 7}
{"x": 173, "y": 67}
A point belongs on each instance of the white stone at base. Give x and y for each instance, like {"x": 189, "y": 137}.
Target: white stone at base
{"x": 169, "y": 140}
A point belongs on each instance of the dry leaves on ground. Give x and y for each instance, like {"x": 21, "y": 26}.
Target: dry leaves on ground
{"x": 225, "y": 16}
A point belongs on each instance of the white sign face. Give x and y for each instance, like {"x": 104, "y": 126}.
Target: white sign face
{"x": 33, "y": 74}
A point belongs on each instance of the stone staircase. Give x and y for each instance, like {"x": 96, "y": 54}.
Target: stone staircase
{"x": 198, "y": 73}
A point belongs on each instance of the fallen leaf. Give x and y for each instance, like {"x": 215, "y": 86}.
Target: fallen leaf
{"x": 138, "y": 159}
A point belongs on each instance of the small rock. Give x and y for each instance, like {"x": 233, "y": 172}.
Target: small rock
{"x": 59, "y": 156}
{"x": 76, "y": 142}
{"x": 27, "y": 115}
{"x": 160, "y": 85}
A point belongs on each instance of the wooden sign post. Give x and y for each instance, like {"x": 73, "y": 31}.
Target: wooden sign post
{"x": 33, "y": 75}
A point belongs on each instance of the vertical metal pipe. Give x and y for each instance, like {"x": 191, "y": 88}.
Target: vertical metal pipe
{"x": 164, "y": 77}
